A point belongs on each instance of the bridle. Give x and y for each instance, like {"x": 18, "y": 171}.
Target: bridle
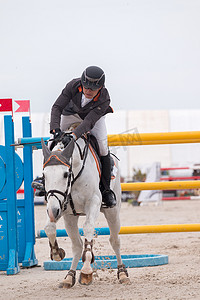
{"x": 70, "y": 178}
{"x": 52, "y": 193}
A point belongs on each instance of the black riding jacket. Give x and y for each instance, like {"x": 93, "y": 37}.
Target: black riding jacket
{"x": 69, "y": 103}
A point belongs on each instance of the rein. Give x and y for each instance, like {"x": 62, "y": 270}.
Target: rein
{"x": 83, "y": 156}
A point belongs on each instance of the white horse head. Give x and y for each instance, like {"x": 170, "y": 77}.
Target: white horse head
{"x": 57, "y": 174}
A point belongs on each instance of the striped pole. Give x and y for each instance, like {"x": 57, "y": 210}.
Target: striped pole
{"x": 181, "y": 198}
{"x": 174, "y": 168}
{"x": 180, "y": 178}
{"x": 135, "y": 139}
{"x": 134, "y": 229}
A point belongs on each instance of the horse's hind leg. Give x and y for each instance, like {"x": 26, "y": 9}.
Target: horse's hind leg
{"x": 56, "y": 253}
{"x": 71, "y": 225}
{"x": 112, "y": 217}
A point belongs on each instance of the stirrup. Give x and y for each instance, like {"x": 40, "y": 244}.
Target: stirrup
{"x": 38, "y": 184}
{"x": 109, "y": 199}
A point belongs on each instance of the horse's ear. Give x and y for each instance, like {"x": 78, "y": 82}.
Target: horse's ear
{"x": 67, "y": 152}
{"x": 45, "y": 150}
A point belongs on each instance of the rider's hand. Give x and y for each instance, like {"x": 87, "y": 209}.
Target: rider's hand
{"x": 67, "y": 139}
{"x": 57, "y": 133}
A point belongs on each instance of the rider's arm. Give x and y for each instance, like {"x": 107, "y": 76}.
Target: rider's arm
{"x": 59, "y": 105}
{"x": 92, "y": 117}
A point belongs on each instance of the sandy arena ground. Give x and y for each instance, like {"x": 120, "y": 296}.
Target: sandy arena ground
{"x": 180, "y": 279}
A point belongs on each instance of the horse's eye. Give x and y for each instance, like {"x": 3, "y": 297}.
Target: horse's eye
{"x": 65, "y": 174}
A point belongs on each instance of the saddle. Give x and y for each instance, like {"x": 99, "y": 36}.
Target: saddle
{"x": 95, "y": 146}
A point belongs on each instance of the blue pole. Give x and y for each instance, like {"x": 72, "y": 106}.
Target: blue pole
{"x": 32, "y": 141}
{"x": 62, "y": 232}
{"x": 13, "y": 267}
{"x": 29, "y": 258}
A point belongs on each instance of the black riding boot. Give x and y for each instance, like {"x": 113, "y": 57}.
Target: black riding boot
{"x": 38, "y": 185}
{"x": 108, "y": 196}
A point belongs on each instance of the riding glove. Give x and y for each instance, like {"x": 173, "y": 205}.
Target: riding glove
{"x": 67, "y": 138}
{"x": 57, "y": 133}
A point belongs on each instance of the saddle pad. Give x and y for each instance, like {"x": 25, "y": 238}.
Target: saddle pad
{"x": 114, "y": 169}
{"x": 96, "y": 158}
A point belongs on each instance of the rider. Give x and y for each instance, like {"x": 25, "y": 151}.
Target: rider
{"x": 87, "y": 101}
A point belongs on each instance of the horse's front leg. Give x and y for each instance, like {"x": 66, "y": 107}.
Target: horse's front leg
{"x": 92, "y": 214}
{"x": 71, "y": 225}
{"x": 56, "y": 253}
{"x": 87, "y": 258}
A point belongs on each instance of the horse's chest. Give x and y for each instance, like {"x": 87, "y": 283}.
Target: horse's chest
{"x": 80, "y": 196}
{"x": 79, "y": 199}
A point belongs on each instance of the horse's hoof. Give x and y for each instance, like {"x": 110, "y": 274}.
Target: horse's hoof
{"x": 123, "y": 279}
{"x": 122, "y": 274}
{"x": 65, "y": 285}
{"x": 69, "y": 280}
{"x": 85, "y": 279}
{"x": 59, "y": 255}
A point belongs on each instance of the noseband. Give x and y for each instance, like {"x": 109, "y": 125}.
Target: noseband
{"x": 52, "y": 193}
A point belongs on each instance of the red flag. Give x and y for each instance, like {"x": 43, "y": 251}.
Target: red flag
{"x": 5, "y": 105}
{"x": 24, "y": 106}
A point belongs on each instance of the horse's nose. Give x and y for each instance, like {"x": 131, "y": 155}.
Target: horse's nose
{"x": 53, "y": 213}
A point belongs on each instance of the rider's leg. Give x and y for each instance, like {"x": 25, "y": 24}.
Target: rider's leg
{"x": 107, "y": 194}
{"x": 38, "y": 185}
{"x": 100, "y": 132}
{"x": 67, "y": 121}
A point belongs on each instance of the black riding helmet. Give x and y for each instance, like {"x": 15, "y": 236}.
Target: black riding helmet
{"x": 93, "y": 78}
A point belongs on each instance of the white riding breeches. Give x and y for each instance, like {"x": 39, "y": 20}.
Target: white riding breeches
{"x": 99, "y": 130}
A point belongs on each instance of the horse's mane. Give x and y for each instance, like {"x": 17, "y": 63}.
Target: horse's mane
{"x": 73, "y": 126}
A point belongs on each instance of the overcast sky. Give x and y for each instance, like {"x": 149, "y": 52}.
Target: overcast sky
{"x": 149, "y": 50}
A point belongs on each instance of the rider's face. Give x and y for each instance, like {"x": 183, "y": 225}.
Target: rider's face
{"x": 90, "y": 93}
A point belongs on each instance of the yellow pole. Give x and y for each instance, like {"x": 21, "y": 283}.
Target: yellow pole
{"x": 154, "y": 138}
{"x": 159, "y": 228}
{"x": 150, "y": 142}
{"x": 168, "y": 185}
